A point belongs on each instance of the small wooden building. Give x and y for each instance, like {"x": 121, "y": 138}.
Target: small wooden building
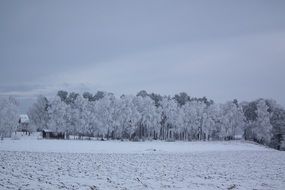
{"x": 48, "y": 134}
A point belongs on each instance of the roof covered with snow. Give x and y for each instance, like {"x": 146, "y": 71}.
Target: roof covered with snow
{"x": 24, "y": 118}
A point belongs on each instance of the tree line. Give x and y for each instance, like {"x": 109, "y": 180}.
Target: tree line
{"x": 148, "y": 116}
{"x": 9, "y": 116}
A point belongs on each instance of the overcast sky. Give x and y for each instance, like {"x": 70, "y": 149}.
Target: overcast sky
{"x": 219, "y": 49}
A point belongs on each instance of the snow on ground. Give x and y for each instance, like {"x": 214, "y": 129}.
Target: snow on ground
{"x": 33, "y": 144}
{"x": 74, "y": 164}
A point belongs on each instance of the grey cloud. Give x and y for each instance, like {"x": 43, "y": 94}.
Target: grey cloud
{"x": 163, "y": 46}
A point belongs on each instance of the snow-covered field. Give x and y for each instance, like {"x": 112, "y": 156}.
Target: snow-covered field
{"x": 74, "y": 164}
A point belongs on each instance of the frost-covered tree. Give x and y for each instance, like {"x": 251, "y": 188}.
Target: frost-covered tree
{"x": 8, "y": 116}
{"x": 63, "y": 95}
{"x": 262, "y": 127}
{"x": 58, "y": 117}
{"x": 128, "y": 117}
{"x": 105, "y": 111}
{"x": 249, "y": 110}
{"x": 153, "y": 116}
{"x": 258, "y": 128}
{"x": 211, "y": 119}
{"x": 142, "y": 93}
{"x": 38, "y": 113}
{"x": 277, "y": 121}
{"x": 91, "y": 119}
{"x": 182, "y": 98}
{"x": 88, "y": 96}
{"x": 232, "y": 120}
{"x": 171, "y": 118}
{"x": 149, "y": 117}
{"x": 193, "y": 113}
{"x": 80, "y": 115}
{"x": 71, "y": 98}
{"x": 99, "y": 95}
{"x": 156, "y": 98}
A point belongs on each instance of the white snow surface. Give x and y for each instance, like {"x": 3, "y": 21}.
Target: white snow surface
{"x": 31, "y": 163}
{"x": 87, "y": 146}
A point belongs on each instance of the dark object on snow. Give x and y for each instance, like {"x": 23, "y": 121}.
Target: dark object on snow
{"x": 48, "y": 134}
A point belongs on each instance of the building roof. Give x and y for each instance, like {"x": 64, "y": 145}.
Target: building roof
{"x": 47, "y": 130}
{"x": 24, "y": 118}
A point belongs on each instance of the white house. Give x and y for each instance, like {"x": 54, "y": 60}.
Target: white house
{"x": 23, "y": 123}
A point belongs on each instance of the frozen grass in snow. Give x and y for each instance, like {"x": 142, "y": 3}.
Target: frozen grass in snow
{"x": 74, "y": 164}
{"x": 86, "y": 146}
